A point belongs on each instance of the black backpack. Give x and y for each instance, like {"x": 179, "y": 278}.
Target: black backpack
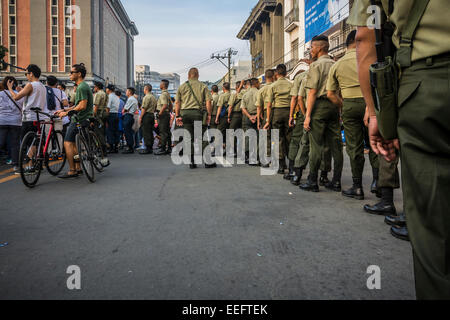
{"x": 51, "y": 104}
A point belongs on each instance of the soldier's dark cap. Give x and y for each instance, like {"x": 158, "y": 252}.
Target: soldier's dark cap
{"x": 320, "y": 38}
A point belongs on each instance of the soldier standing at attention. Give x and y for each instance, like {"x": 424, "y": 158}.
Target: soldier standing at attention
{"x": 250, "y": 115}
{"x": 147, "y": 119}
{"x": 235, "y": 112}
{"x": 279, "y": 99}
{"x": 215, "y": 99}
{"x": 262, "y": 110}
{"x": 295, "y": 121}
{"x": 343, "y": 78}
{"x": 163, "y": 108}
{"x": 322, "y": 118}
{"x": 191, "y": 98}
{"x": 101, "y": 113}
{"x": 222, "y": 111}
{"x": 423, "y": 54}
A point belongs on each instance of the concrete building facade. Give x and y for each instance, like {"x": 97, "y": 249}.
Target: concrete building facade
{"x": 55, "y": 34}
{"x": 278, "y": 39}
{"x": 241, "y": 70}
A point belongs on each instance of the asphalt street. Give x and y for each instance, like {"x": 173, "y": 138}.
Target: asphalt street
{"x": 148, "y": 229}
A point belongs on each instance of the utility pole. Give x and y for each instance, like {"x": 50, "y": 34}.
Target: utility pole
{"x": 227, "y": 56}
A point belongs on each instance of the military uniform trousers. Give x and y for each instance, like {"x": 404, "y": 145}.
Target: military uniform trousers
{"x": 248, "y": 125}
{"x": 325, "y": 129}
{"x": 223, "y": 126}
{"x": 236, "y": 124}
{"x": 280, "y": 121}
{"x": 389, "y": 176}
{"x": 189, "y": 117}
{"x": 213, "y": 124}
{"x": 424, "y": 133}
{"x": 302, "y": 157}
{"x": 269, "y": 137}
{"x": 164, "y": 130}
{"x": 148, "y": 125}
{"x": 353, "y": 113}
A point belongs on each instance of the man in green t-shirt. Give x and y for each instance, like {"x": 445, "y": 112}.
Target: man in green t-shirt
{"x": 84, "y": 108}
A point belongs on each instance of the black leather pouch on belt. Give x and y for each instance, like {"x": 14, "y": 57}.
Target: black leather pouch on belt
{"x": 384, "y": 81}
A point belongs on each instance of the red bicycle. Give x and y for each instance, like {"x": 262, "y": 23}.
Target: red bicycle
{"x": 39, "y": 149}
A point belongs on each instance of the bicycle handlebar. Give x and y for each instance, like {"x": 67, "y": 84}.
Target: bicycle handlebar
{"x": 39, "y": 111}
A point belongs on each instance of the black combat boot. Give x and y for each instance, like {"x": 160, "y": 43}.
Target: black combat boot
{"x": 400, "y": 233}
{"x": 335, "y": 184}
{"x": 386, "y": 206}
{"x": 296, "y": 179}
{"x": 282, "y": 168}
{"x": 310, "y": 185}
{"x": 161, "y": 152}
{"x": 374, "y": 186}
{"x": 323, "y": 179}
{"x": 290, "y": 174}
{"x": 397, "y": 221}
{"x": 192, "y": 165}
{"x": 356, "y": 191}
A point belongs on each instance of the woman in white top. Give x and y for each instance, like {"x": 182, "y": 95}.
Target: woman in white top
{"x": 35, "y": 96}
{"x": 10, "y": 122}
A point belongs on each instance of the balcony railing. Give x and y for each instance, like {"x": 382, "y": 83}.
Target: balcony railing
{"x": 291, "y": 20}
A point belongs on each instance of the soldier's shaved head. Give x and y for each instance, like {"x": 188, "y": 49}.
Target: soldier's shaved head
{"x": 193, "y": 73}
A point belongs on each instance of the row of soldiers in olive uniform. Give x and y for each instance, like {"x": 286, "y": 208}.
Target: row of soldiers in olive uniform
{"x": 161, "y": 107}
{"x": 420, "y": 30}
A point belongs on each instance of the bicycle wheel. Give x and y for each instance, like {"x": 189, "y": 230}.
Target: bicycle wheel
{"x": 55, "y": 159}
{"x": 30, "y": 166}
{"x": 97, "y": 152}
{"x": 86, "y": 159}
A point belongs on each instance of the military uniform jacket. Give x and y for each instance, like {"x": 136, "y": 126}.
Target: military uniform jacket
{"x": 164, "y": 98}
{"x": 297, "y": 83}
{"x": 262, "y": 95}
{"x": 149, "y": 103}
{"x": 224, "y": 98}
{"x": 279, "y": 94}
{"x": 101, "y": 101}
{"x": 318, "y": 75}
{"x": 188, "y": 101}
{"x": 344, "y": 76}
{"x": 215, "y": 99}
{"x": 249, "y": 101}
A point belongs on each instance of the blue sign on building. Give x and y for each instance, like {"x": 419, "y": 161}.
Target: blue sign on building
{"x": 321, "y": 15}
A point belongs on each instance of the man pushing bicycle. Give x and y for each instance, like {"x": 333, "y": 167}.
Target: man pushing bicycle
{"x": 84, "y": 111}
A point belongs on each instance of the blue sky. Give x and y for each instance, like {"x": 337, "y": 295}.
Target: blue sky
{"x": 176, "y": 34}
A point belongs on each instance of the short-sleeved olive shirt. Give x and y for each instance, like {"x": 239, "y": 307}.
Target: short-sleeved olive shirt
{"x": 249, "y": 101}
{"x": 296, "y": 84}
{"x": 343, "y": 76}
{"x": 164, "y": 99}
{"x": 318, "y": 75}
{"x": 188, "y": 101}
{"x": 84, "y": 92}
{"x": 101, "y": 100}
{"x": 262, "y": 95}
{"x": 215, "y": 99}
{"x": 235, "y": 102}
{"x": 279, "y": 93}
{"x": 149, "y": 103}
{"x": 224, "y": 98}
{"x": 302, "y": 92}
{"x": 431, "y": 37}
